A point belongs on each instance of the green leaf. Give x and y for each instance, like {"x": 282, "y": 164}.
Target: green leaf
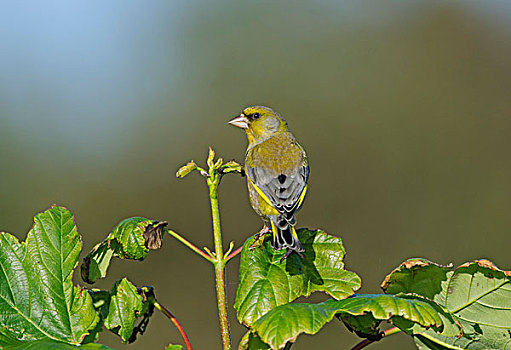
{"x": 131, "y": 239}
{"x": 126, "y": 304}
{"x": 120, "y": 308}
{"x": 418, "y": 276}
{"x": 101, "y": 302}
{"x": 211, "y": 158}
{"x": 95, "y": 264}
{"x": 231, "y": 166}
{"x": 37, "y": 297}
{"x": 424, "y": 343}
{"x": 266, "y": 282}
{"x": 251, "y": 341}
{"x": 365, "y": 326}
{"x": 186, "y": 169}
{"x": 53, "y": 345}
{"x": 478, "y": 294}
{"x": 475, "y": 337}
{"x": 284, "y": 323}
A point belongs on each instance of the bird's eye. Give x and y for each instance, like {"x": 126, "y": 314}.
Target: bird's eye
{"x": 256, "y": 115}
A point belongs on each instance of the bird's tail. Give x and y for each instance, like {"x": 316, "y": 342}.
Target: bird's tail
{"x": 284, "y": 235}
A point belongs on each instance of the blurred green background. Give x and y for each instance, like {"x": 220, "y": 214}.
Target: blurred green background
{"x": 403, "y": 108}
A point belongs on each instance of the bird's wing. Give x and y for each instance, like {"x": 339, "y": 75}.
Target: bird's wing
{"x": 284, "y": 191}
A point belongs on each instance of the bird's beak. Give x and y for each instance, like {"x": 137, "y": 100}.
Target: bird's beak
{"x": 240, "y": 121}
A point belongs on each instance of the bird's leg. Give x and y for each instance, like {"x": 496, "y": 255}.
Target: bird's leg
{"x": 257, "y": 239}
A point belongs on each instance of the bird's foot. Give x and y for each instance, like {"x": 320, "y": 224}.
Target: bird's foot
{"x": 259, "y": 237}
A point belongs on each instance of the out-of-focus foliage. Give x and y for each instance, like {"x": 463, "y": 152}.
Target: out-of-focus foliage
{"x": 402, "y": 108}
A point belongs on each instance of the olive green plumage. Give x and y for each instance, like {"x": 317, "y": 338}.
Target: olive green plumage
{"x": 277, "y": 173}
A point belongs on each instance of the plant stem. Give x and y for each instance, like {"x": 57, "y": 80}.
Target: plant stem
{"x": 219, "y": 263}
{"x": 233, "y": 254}
{"x": 222, "y": 306}
{"x": 189, "y": 245}
{"x": 217, "y": 258}
{"x": 176, "y": 323}
{"x": 366, "y": 342}
{"x": 217, "y": 233}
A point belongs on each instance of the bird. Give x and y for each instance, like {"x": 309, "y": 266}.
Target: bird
{"x": 277, "y": 173}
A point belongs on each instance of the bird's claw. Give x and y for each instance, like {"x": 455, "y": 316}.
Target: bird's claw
{"x": 257, "y": 238}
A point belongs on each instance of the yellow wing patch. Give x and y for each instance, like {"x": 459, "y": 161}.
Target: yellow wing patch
{"x": 265, "y": 197}
{"x": 267, "y": 200}
{"x": 302, "y": 196}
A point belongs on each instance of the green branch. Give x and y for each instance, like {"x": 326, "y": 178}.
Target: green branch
{"x": 218, "y": 258}
{"x": 213, "y": 181}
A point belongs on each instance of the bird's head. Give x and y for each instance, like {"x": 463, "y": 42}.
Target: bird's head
{"x": 260, "y": 123}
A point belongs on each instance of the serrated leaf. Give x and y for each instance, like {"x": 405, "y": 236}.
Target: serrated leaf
{"x": 124, "y": 307}
{"x": 37, "y": 297}
{"x": 284, "y": 323}
{"x": 53, "y": 345}
{"x": 131, "y": 239}
{"x": 266, "y": 282}
{"x": 418, "y": 276}
{"x": 414, "y": 308}
{"x": 478, "y": 294}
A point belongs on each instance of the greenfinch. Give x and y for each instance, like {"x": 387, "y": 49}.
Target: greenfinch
{"x": 277, "y": 174}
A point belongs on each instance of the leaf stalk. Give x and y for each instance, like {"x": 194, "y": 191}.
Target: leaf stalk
{"x": 176, "y": 323}
{"x": 366, "y": 342}
{"x": 190, "y": 245}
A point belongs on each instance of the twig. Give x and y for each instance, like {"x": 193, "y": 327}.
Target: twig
{"x": 189, "y": 245}
{"x": 366, "y": 342}
{"x": 233, "y": 254}
{"x": 176, "y": 323}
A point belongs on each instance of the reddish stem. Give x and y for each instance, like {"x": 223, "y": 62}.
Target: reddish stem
{"x": 189, "y": 245}
{"x": 176, "y": 323}
{"x": 233, "y": 254}
{"x": 366, "y": 342}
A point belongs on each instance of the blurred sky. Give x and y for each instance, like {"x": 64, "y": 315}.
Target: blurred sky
{"x": 403, "y": 108}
